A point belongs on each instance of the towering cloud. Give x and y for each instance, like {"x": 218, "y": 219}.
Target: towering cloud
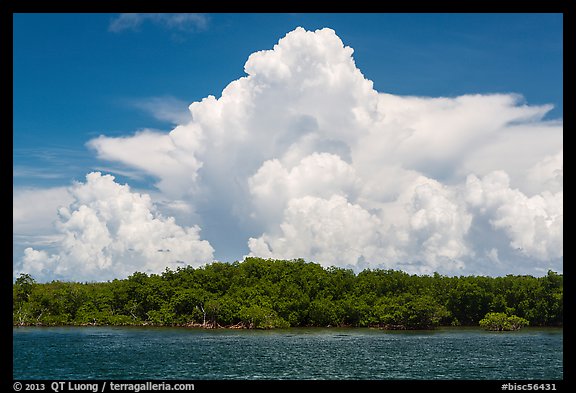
{"x": 308, "y": 160}
{"x": 109, "y": 231}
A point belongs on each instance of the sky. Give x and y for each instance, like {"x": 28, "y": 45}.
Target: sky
{"x": 419, "y": 142}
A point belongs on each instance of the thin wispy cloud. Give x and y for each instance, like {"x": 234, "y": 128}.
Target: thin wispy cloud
{"x": 50, "y": 153}
{"x": 179, "y": 22}
{"x": 165, "y": 108}
{"x": 38, "y": 240}
{"x": 131, "y": 174}
{"x": 21, "y": 171}
{"x": 49, "y": 163}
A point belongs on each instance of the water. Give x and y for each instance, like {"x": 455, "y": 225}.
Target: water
{"x": 194, "y": 354}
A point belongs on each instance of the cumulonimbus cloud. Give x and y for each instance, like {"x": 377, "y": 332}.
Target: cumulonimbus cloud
{"x": 314, "y": 163}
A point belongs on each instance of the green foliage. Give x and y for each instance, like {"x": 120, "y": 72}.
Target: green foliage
{"x": 23, "y": 288}
{"x": 265, "y": 293}
{"x": 499, "y": 321}
{"x": 261, "y": 318}
{"x": 409, "y": 312}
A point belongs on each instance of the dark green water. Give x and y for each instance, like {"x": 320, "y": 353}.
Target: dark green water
{"x": 193, "y": 354}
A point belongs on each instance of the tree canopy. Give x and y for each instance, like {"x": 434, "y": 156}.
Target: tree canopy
{"x": 266, "y": 293}
{"x": 499, "y": 321}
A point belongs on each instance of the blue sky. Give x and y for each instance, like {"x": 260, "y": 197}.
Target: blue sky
{"x": 79, "y": 76}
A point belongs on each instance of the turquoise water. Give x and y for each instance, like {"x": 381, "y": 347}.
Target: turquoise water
{"x": 194, "y": 354}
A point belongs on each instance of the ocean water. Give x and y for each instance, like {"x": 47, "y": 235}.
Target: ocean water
{"x": 299, "y": 353}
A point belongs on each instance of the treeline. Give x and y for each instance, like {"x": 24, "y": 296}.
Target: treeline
{"x": 259, "y": 293}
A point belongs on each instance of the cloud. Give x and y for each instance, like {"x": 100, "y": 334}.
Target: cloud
{"x": 108, "y": 232}
{"x": 447, "y": 138}
{"x": 165, "y": 108}
{"x": 179, "y": 22}
{"x": 323, "y": 230}
{"x": 157, "y": 154}
{"x": 319, "y": 174}
{"x": 533, "y": 225}
{"x": 422, "y": 231}
{"x": 48, "y": 163}
{"x": 25, "y": 171}
{"x": 305, "y": 159}
{"x": 34, "y": 209}
{"x": 547, "y": 174}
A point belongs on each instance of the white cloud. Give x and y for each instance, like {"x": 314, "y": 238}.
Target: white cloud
{"x": 108, "y": 231}
{"x": 158, "y": 154}
{"x": 319, "y": 174}
{"x": 428, "y": 224}
{"x": 533, "y": 225}
{"x": 422, "y": 231}
{"x": 308, "y": 160}
{"x": 34, "y": 212}
{"x": 34, "y": 209}
{"x": 166, "y": 108}
{"x": 547, "y": 174}
{"x": 181, "y": 22}
{"x": 514, "y": 149}
{"x": 330, "y": 231}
